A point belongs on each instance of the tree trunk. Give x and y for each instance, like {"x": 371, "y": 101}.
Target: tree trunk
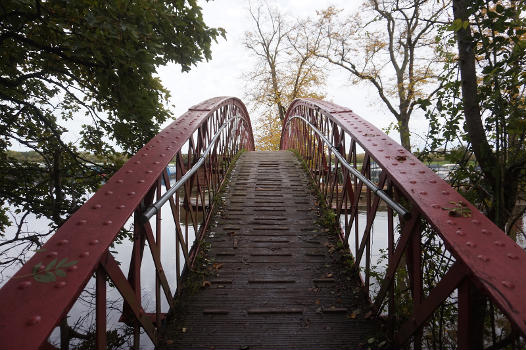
{"x": 473, "y": 124}
{"x": 404, "y": 131}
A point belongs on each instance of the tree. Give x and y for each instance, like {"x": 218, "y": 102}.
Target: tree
{"x": 480, "y": 120}
{"x": 285, "y": 69}
{"x": 388, "y": 39}
{"x": 70, "y": 62}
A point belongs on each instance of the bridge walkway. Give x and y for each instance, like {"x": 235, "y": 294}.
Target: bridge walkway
{"x": 270, "y": 273}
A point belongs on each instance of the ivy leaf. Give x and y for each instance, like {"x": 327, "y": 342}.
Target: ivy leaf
{"x": 50, "y": 266}
{"x": 36, "y": 268}
{"x": 60, "y": 273}
{"x": 61, "y": 262}
{"x": 71, "y": 263}
{"x": 45, "y": 278}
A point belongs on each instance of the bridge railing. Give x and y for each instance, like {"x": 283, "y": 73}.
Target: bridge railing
{"x": 38, "y": 298}
{"x": 441, "y": 255}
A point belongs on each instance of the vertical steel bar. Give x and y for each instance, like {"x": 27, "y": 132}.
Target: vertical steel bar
{"x": 100, "y": 308}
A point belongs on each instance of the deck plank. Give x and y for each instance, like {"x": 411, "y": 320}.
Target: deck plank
{"x": 279, "y": 284}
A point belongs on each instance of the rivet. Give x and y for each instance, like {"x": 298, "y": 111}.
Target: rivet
{"x": 401, "y": 151}
{"x": 63, "y": 242}
{"x": 137, "y": 162}
{"x": 435, "y": 206}
{"x": 383, "y": 138}
{"x": 84, "y": 255}
{"x": 131, "y": 193}
{"x": 163, "y": 155}
{"x": 140, "y": 181}
{"x": 387, "y": 157}
{"x": 97, "y": 206}
{"x": 390, "y": 144}
{"x": 423, "y": 193}
{"x": 395, "y": 164}
{"x": 145, "y": 154}
{"x": 149, "y": 171}
{"x": 412, "y": 182}
{"x": 471, "y": 244}
{"x": 52, "y": 254}
{"x": 374, "y": 144}
{"x": 173, "y": 142}
{"x": 107, "y": 222}
{"x": 156, "y": 162}
{"x": 60, "y": 284}
{"x": 122, "y": 206}
{"x": 445, "y": 193}
{"x": 369, "y": 140}
{"x": 483, "y": 258}
{"x": 34, "y": 320}
{"x": 24, "y": 285}
{"x": 475, "y": 221}
{"x": 129, "y": 171}
{"x": 512, "y": 256}
{"x": 82, "y": 222}
{"x": 422, "y": 171}
{"x": 119, "y": 181}
{"x": 460, "y": 233}
{"x": 412, "y": 163}
{"x": 403, "y": 172}
{"x": 380, "y": 150}
{"x": 450, "y": 222}
{"x": 94, "y": 242}
{"x": 508, "y": 284}
{"x": 432, "y": 181}
{"x": 499, "y": 243}
{"x": 484, "y": 231}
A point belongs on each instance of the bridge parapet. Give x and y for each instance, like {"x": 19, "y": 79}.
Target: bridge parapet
{"x": 441, "y": 225}
{"x": 41, "y": 294}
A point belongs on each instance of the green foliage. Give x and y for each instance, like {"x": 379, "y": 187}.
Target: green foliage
{"x": 497, "y": 39}
{"x": 51, "y": 271}
{"x": 91, "y": 65}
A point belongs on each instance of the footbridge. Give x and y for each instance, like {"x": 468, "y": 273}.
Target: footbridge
{"x": 260, "y": 250}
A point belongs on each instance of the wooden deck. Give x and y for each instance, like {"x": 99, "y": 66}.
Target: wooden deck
{"x": 274, "y": 277}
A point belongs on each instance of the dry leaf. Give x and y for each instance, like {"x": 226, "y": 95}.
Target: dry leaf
{"x": 206, "y": 284}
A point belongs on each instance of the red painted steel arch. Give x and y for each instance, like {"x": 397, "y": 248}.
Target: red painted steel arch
{"x": 485, "y": 256}
{"x": 29, "y": 309}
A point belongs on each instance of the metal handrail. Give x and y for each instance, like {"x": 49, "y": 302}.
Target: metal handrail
{"x": 155, "y": 207}
{"x": 404, "y": 213}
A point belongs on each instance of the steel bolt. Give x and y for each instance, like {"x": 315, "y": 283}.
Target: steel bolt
{"x": 122, "y": 206}
{"x": 137, "y": 162}
{"x": 132, "y": 193}
{"x": 63, "y": 242}
{"x": 483, "y": 258}
{"x": 460, "y": 233}
{"x": 140, "y": 181}
{"x": 72, "y": 268}
{"x": 508, "y": 284}
{"x": 129, "y": 171}
{"x": 156, "y": 162}
{"x": 84, "y": 255}
{"x": 60, "y": 284}
{"x": 484, "y": 231}
{"x": 34, "y": 320}
{"x": 471, "y": 244}
{"x": 96, "y": 206}
{"x": 81, "y": 222}
{"x": 94, "y": 242}
{"x": 52, "y": 254}
{"x": 475, "y": 221}
{"x": 107, "y": 222}
{"x": 24, "y": 285}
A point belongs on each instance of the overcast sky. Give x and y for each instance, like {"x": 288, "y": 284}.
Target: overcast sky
{"x": 222, "y": 76}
